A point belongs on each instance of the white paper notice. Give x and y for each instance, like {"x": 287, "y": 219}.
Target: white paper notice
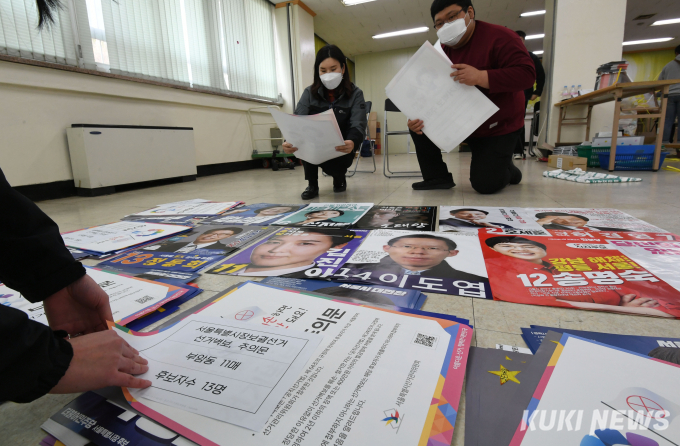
{"x": 423, "y": 89}
{"x": 118, "y": 236}
{"x": 190, "y": 208}
{"x": 315, "y": 136}
{"x": 227, "y": 370}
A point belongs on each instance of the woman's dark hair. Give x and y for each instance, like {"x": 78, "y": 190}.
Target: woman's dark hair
{"x": 493, "y": 241}
{"x": 47, "y": 10}
{"x": 292, "y": 208}
{"x": 324, "y": 210}
{"x": 336, "y": 53}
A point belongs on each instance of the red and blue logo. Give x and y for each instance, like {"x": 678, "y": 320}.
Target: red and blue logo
{"x": 393, "y": 419}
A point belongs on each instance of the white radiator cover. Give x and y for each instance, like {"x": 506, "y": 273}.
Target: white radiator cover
{"x": 104, "y": 156}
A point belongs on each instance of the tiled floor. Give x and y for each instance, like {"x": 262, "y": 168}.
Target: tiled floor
{"x": 655, "y": 200}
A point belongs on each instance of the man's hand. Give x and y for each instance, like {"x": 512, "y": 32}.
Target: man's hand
{"x": 347, "y": 148}
{"x": 534, "y": 97}
{"x": 101, "y": 360}
{"x": 288, "y": 148}
{"x": 80, "y": 308}
{"x": 469, "y": 75}
{"x": 631, "y": 300}
{"x": 416, "y": 126}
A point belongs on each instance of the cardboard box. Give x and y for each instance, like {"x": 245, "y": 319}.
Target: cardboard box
{"x": 373, "y": 116}
{"x": 372, "y": 129}
{"x": 566, "y": 162}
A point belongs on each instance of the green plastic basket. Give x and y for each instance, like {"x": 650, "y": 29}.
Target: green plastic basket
{"x": 592, "y": 154}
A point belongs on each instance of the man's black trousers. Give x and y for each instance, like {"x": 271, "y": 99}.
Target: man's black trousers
{"x": 491, "y": 168}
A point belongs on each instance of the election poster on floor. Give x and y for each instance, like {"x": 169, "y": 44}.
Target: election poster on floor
{"x": 307, "y": 253}
{"x": 660, "y": 258}
{"x": 192, "y": 252}
{"x": 590, "y": 220}
{"x": 326, "y": 215}
{"x": 434, "y": 262}
{"x": 501, "y": 220}
{"x": 414, "y": 218}
{"x": 191, "y": 207}
{"x": 626, "y": 235}
{"x": 254, "y": 214}
{"x": 572, "y": 273}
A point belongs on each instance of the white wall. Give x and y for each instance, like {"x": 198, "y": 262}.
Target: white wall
{"x": 586, "y": 35}
{"x": 304, "y": 45}
{"x": 37, "y": 105}
{"x": 373, "y": 72}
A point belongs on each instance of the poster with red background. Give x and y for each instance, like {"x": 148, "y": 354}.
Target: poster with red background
{"x": 571, "y": 272}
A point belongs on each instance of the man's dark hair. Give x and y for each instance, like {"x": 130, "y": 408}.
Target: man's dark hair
{"x": 323, "y": 210}
{"x": 560, "y": 214}
{"x": 677, "y": 50}
{"x": 455, "y": 211}
{"x": 333, "y": 52}
{"x": 338, "y": 236}
{"x": 493, "y": 241}
{"x": 292, "y": 208}
{"x": 522, "y": 34}
{"x": 231, "y": 228}
{"x": 450, "y": 243}
{"x": 440, "y": 5}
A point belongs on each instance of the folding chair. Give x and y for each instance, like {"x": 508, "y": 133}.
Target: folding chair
{"x": 372, "y": 142}
{"x": 390, "y": 107}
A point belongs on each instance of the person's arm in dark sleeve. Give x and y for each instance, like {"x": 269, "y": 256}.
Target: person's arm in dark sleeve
{"x": 358, "y": 119}
{"x": 34, "y": 259}
{"x": 34, "y": 358}
{"x": 540, "y": 75}
{"x": 303, "y": 104}
{"x": 516, "y": 70}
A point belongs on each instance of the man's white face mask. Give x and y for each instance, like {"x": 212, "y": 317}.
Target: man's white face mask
{"x": 331, "y": 80}
{"x": 451, "y": 33}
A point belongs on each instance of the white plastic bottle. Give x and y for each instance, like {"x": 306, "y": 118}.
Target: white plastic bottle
{"x": 574, "y": 93}
{"x": 565, "y": 92}
{"x": 578, "y": 90}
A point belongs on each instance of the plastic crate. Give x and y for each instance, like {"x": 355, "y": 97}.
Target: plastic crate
{"x": 632, "y": 158}
{"x": 592, "y": 154}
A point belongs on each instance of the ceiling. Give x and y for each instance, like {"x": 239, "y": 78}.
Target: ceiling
{"x": 352, "y": 27}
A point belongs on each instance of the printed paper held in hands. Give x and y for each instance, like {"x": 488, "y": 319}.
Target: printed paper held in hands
{"x": 227, "y": 370}
{"x": 315, "y": 136}
{"x": 423, "y": 89}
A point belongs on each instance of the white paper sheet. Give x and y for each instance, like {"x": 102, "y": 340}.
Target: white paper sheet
{"x": 353, "y": 379}
{"x": 118, "y": 236}
{"x": 315, "y": 136}
{"x": 231, "y": 371}
{"x": 423, "y": 89}
{"x": 127, "y": 296}
{"x": 190, "y": 208}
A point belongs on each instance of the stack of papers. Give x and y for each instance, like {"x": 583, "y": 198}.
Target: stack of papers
{"x": 189, "y": 208}
{"x": 423, "y": 89}
{"x": 118, "y": 237}
{"x": 315, "y": 136}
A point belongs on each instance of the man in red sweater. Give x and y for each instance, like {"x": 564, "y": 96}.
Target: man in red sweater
{"x": 493, "y": 59}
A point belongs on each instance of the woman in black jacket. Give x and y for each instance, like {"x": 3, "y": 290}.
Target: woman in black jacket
{"x": 333, "y": 89}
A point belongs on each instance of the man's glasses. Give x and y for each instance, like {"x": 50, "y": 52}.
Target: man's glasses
{"x": 449, "y": 19}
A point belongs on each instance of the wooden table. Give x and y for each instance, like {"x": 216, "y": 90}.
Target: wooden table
{"x": 618, "y": 92}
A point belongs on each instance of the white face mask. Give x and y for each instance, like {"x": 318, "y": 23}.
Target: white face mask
{"x": 677, "y": 57}
{"x": 331, "y": 80}
{"x": 451, "y": 33}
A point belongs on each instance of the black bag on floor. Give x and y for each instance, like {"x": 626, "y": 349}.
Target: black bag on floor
{"x": 366, "y": 149}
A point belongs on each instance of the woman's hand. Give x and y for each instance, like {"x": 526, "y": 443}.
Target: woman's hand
{"x": 80, "y": 308}
{"x": 416, "y": 126}
{"x": 347, "y": 148}
{"x": 100, "y": 360}
{"x": 288, "y": 148}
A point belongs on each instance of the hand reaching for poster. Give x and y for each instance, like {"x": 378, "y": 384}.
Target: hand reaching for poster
{"x": 80, "y": 308}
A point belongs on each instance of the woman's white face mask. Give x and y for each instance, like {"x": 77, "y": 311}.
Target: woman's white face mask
{"x": 331, "y": 80}
{"x": 451, "y": 33}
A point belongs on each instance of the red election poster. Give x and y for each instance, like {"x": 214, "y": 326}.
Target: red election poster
{"x": 572, "y": 273}
{"x": 642, "y": 236}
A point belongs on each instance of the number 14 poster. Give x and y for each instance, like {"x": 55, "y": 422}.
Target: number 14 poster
{"x": 568, "y": 272}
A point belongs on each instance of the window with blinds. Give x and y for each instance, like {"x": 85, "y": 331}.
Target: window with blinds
{"x": 219, "y": 45}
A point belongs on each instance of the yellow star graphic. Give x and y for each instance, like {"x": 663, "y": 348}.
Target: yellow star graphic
{"x": 506, "y": 375}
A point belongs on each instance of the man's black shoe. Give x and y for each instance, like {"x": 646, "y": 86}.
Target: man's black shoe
{"x": 341, "y": 187}
{"x": 310, "y": 192}
{"x": 442, "y": 183}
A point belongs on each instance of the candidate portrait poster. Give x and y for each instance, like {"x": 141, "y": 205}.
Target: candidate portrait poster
{"x": 434, "y": 262}
{"x": 590, "y": 220}
{"x": 254, "y": 214}
{"x": 503, "y": 220}
{"x": 414, "y": 218}
{"x": 194, "y": 251}
{"x": 572, "y": 273}
{"x": 326, "y": 215}
{"x": 295, "y": 252}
